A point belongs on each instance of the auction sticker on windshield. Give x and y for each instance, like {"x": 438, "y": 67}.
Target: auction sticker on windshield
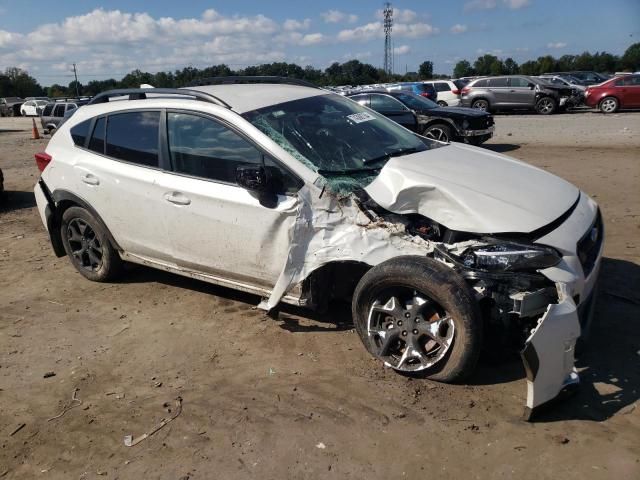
{"x": 361, "y": 117}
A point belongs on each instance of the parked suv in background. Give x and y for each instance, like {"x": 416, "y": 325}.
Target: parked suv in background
{"x": 54, "y": 113}
{"x": 448, "y": 91}
{"x": 417, "y": 88}
{"x": 427, "y": 118}
{"x": 617, "y": 93}
{"x": 302, "y": 196}
{"x": 512, "y": 92}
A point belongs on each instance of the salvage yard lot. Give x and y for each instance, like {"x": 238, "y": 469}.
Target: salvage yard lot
{"x": 299, "y": 397}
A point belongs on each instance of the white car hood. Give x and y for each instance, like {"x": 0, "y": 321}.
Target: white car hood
{"x": 470, "y": 189}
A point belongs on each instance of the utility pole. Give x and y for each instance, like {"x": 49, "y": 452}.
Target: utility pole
{"x": 388, "y": 48}
{"x": 75, "y": 74}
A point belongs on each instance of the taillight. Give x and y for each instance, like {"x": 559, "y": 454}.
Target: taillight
{"x": 455, "y": 92}
{"x": 42, "y": 160}
{"x": 465, "y": 90}
{"x": 425, "y": 94}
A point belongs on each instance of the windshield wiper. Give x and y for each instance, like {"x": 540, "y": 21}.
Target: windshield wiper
{"x": 349, "y": 171}
{"x": 397, "y": 153}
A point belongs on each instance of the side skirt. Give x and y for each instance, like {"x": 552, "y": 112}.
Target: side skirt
{"x": 292, "y": 298}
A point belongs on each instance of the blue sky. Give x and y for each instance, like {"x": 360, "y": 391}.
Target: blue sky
{"x": 109, "y": 39}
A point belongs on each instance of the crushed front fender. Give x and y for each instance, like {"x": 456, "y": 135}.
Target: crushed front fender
{"x": 548, "y": 355}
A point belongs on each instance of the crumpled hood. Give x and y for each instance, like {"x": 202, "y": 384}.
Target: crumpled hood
{"x": 470, "y": 189}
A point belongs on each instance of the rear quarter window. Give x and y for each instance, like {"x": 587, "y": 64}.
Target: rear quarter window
{"x": 80, "y": 132}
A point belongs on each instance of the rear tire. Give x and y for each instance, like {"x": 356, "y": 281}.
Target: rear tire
{"x": 411, "y": 295}
{"x": 609, "y": 105}
{"x": 87, "y": 244}
{"x": 481, "y": 104}
{"x": 442, "y": 103}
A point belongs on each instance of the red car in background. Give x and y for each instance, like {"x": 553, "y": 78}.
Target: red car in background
{"x": 612, "y": 95}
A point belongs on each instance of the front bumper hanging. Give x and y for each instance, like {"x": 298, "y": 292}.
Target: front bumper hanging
{"x": 548, "y": 356}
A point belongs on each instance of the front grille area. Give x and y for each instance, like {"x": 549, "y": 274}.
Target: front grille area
{"x": 481, "y": 123}
{"x": 589, "y": 245}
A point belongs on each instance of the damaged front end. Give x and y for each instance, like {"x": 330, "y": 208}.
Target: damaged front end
{"x": 524, "y": 310}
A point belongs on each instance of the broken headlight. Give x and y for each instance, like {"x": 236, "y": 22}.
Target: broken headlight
{"x": 509, "y": 257}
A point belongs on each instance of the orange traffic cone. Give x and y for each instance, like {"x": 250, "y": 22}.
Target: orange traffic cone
{"x": 34, "y": 133}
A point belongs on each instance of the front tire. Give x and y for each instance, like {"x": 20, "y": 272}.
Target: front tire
{"x": 419, "y": 317}
{"x": 609, "y": 105}
{"x": 438, "y": 132}
{"x": 546, "y": 106}
{"x": 87, "y": 244}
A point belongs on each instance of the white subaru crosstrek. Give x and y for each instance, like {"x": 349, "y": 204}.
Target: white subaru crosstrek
{"x": 303, "y": 196}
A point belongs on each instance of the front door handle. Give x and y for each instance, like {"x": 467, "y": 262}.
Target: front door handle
{"x": 90, "y": 179}
{"x": 177, "y": 198}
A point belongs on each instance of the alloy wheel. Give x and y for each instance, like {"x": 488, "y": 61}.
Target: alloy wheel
{"x": 609, "y": 105}
{"x": 437, "y": 133}
{"x": 410, "y": 331}
{"x": 85, "y": 245}
{"x": 545, "y": 105}
{"x": 481, "y": 105}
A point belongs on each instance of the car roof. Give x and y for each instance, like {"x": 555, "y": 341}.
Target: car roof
{"x": 247, "y": 97}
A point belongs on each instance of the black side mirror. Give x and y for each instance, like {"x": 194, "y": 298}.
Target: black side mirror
{"x": 252, "y": 177}
{"x": 532, "y": 86}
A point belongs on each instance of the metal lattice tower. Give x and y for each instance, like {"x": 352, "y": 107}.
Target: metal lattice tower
{"x": 388, "y": 47}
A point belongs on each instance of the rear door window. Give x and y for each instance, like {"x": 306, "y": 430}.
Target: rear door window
{"x": 442, "y": 87}
{"x": 498, "y": 82}
{"x": 481, "y": 84}
{"x": 47, "y": 111}
{"x": 59, "y": 111}
{"x": 134, "y": 137}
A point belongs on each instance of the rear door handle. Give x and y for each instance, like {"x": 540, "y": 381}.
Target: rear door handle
{"x": 90, "y": 179}
{"x": 177, "y": 198}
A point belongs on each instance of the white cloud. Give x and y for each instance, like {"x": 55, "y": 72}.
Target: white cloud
{"x": 400, "y": 15}
{"x": 480, "y": 5}
{"x": 458, "y": 28}
{"x": 517, "y": 4}
{"x": 336, "y": 16}
{"x": 293, "y": 25}
{"x": 493, "y": 4}
{"x": 374, "y": 30}
{"x": 113, "y": 42}
{"x": 402, "y": 50}
{"x": 556, "y": 45}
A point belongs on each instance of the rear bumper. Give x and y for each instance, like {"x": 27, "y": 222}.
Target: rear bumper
{"x": 47, "y": 211}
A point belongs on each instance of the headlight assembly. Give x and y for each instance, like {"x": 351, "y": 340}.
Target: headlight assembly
{"x": 509, "y": 257}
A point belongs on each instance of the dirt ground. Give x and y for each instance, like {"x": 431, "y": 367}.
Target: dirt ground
{"x": 299, "y": 397}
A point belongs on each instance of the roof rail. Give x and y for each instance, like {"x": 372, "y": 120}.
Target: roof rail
{"x": 141, "y": 94}
{"x": 238, "y": 79}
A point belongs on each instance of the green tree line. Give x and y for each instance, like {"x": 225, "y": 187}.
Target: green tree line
{"x": 15, "y": 82}
{"x": 600, "y": 62}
